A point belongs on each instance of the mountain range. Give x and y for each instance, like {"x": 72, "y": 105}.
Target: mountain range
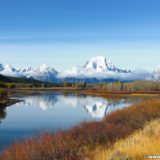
{"x": 98, "y": 69}
{"x": 42, "y": 73}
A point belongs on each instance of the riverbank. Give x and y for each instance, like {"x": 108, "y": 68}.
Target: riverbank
{"x": 81, "y": 141}
{"x": 46, "y": 89}
{"x": 91, "y": 92}
{"x": 5, "y": 100}
{"x": 118, "y": 94}
{"x": 8, "y": 102}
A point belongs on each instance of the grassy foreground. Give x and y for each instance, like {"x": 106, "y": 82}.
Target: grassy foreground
{"x": 135, "y": 147}
{"x": 79, "y": 142}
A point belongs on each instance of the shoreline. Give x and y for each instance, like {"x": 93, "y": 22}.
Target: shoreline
{"x": 45, "y": 89}
{"x": 93, "y": 92}
{"x": 8, "y": 102}
{"x": 120, "y": 93}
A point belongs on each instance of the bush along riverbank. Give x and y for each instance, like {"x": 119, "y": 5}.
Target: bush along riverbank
{"x": 141, "y": 143}
{"x": 79, "y": 142}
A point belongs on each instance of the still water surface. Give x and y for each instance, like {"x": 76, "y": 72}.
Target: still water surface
{"x": 50, "y": 111}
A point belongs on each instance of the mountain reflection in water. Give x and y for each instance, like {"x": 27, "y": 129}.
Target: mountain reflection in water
{"x": 51, "y": 111}
{"x": 97, "y": 107}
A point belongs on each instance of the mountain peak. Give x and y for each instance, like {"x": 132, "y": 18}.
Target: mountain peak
{"x": 9, "y": 68}
{"x": 98, "y": 58}
{"x": 97, "y": 67}
{"x": 44, "y": 67}
{"x": 43, "y": 73}
{"x": 99, "y": 64}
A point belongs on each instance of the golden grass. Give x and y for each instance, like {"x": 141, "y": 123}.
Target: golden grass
{"x": 143, "y": 142}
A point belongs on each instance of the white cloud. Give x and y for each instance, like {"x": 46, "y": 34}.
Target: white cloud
{"x": 79, "y": 72}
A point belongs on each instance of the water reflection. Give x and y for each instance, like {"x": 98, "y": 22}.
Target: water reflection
{"x": 42, "y": 101}
{"x": 100, "y": 109}
{"x": 50, "y": 111}
{"x": 96, "y": 107}
{"x": 2, "y": 114}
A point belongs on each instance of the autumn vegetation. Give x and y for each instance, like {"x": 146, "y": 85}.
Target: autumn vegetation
{"x": 135, "y": 86}
{"x": 81, "y": 141}
{"x": 141, "y": 143}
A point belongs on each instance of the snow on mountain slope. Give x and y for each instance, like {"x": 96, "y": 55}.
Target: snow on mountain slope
{"x": 97, "y": 67}
{"x": 102, "y": 69}
{"x": 7, "y": 70}
{"x": 101, "y": 64}
{"x": 156, "y": 74}
{"x": 1, "y": 67}
{"x": 43, "y": 73}
{"x": 26, "y": 70}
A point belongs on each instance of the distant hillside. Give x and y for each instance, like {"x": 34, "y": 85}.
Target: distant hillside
{"x": 18, "y": 80}
{"x": 25, "y": 82}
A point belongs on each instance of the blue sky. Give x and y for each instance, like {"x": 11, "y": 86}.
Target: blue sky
{"x": 66, "y": 33}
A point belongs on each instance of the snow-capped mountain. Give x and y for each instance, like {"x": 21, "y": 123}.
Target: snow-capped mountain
{"x": 7, "y": 70}
{"x": 101, "y": 64}
{"x": 97, "y": 69}
{"x": 42, "y": 73}
{"x": 156, "y": 74}
{"x": 26, "y": 70}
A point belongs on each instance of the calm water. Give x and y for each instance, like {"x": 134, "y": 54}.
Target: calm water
{"x": 51, "y": 111}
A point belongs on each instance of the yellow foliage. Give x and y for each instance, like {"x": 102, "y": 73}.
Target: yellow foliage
{"x": 136, "y": 146}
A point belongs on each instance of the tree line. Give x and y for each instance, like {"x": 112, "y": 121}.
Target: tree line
{"x": 107, "y": 86}
{"x": 129, "y": 86}
{"x": 12, "y": 85}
